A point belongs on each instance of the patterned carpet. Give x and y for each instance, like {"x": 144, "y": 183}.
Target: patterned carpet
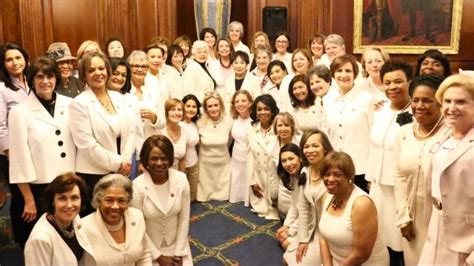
{"x": 221, "y": 233}
{"x": 224, "y": 233}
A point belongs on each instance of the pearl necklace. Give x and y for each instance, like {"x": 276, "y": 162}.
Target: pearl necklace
{"x": 417, "y": 129}
{"x": 115, "y": 228}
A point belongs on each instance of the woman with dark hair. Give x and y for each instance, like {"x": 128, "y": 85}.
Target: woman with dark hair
{"x": 290, "y": 165}
{"x": 114, "y": 47}
{"x": 386, "y": 122}
{"x": 304, "y": 250}
{"x": 349, "y": 115}
{"x": 175, "y": 83}
{"x": 348, "y": 224}
{"x": 209, "y": 35}
{"x": 262, "y": 176}
{"x": 433, "y": 61}
{"x": 308, "y": 115}
{"x": 214, "y": 157}
{"x": 162, "y": 194}
{"x": 103, "y": 129}
{"x": 412, "y": 160}
{"x": 185, "y": 43}
{"x": 69, "y": 86}
{"x": 117, "y": 232}
{"x": 121, "y": 75}
{"x": 13, "y": 90}
{"x": 282, "y": 50}
{"x": 57, "y": 238}
{"x": 316, "y": 46}
{"x": 41, "y": 146}
{"x": 192, "y": 112}
{"x": 221, "y": 69}
{"x": 276, "y": 71}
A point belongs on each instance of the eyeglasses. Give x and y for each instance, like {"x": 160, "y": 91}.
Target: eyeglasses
{"x": 139, "y": 66}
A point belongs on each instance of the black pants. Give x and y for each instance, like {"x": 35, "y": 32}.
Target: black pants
{"x": 21, "y": 228}
{"x": 90, "y": 180}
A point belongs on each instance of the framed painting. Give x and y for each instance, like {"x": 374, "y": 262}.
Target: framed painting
{"x": 407, "y": 26}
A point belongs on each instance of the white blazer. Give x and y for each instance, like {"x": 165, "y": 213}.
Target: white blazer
{"x": 107, "y": 251}
{"x": 250, "y": 84}
{"x": 169, "y": 222}
{"x": 41, "y": 146}
{"x": 196, "y": 80}
{"x": 93, "y": 134}
{"x": 45, "y": 246}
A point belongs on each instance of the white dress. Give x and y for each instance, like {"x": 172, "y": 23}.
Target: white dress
{"x": 337, "y": 231}
{"x": 383, "y": 136}
{"x": 214, "y": 159}
{"x": 239, "y": 188}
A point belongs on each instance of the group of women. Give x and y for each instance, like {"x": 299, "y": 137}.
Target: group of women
{"x": 351, "y": 157}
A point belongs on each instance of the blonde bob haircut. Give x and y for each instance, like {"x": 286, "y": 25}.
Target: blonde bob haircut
{"x": 385, "y": 57}
{"x": 459, "y": 80}
{"x": 170, "y": 103}
{"x": 287, "y": 119}
{"x": 82, "y": 48}
{"x": 233, "y": 110}
{"x": 213, "y": 95}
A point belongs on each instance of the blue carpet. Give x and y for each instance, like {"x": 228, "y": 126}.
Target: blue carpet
{"x": 224, "y": 233}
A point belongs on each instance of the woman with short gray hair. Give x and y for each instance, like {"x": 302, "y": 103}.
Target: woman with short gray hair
{"x": 117, "y": 233}
{"x": 235, "y": 31}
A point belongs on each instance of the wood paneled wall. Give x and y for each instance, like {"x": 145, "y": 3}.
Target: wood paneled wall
{"x": 36, "y": 23}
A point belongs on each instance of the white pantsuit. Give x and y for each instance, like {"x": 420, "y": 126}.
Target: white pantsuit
{"x": 196, "y": 80}
{"x": 41, "y": 146}
{"x": 134, "y": 251}
{"x": 95, "y": 139}
{"x": 166, "y": 223}
{"x": 45, "y": 246}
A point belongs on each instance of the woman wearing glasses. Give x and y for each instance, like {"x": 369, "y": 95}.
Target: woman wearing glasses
{"x": 449, "y": 184}
{"x": 281, "y": 47}
{"x": 214, "y": 158}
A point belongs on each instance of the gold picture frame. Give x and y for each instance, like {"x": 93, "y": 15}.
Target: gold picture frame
{"x": 407, "y": 26}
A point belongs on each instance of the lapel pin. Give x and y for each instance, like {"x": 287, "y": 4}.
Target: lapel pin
{"x": 133, "y": 223}
{"x": 172, "y": 194}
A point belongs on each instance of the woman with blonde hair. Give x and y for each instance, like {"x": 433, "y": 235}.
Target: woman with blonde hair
{"x": 372, "y": 60}
{"x": 214, "y": 158}
{"x": 86, "y": 47}
{"x": 240, "y": 110}
{"x": 259, "y": 38}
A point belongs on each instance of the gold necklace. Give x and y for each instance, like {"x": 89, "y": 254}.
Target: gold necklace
{"x": 337, "y": 203}
{"x": 420, "y": 135}
{"x": 174, "y": 135}
{"x": 108, "y": 106}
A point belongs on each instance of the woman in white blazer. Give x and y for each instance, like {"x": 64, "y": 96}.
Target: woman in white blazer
{"x": 41, "y": 145}
{"x": 162, "y": 194}
{"x": 102, "y": 128}
{"x": 58, "y": 237}
{"x": 116, "y": 231}
{"x": 241, "y": 79}
{"x": 196, "y": 77}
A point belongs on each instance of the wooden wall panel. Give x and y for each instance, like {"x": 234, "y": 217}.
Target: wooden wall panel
{"x": 35, "y": 17}
{"x": 10, "y": 17}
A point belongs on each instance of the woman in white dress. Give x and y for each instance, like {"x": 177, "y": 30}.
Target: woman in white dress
{"x": 282, "y": 50}
{"x": 372, "y": 60}
{"x": 412, "y": 160}
{"x": 156, "y": 77}
{"x": 235, "y": 32}
{"x": 262, "y": 58}
{"x": 174, "y": 131}
{"x": 348, "y": 224}
{"x": 58, "y": 237}
{"x": 276, "y": 71}
{"x": 301, "y": 63}
{"x": 289, "y": 169}
{"x": 162, "y": 194}
{"x": 221, "y": 69}
{"x": 240, "y": 111}
{"x": 349, "y": 115}
{"x": 308, "y": 115}
{"x": 319, "y": 82}
{"x": 386, "y": 123}
{"x": 214, "y": 158}
{"x": 261, "y": 173}
{"x": 192, "y": 112}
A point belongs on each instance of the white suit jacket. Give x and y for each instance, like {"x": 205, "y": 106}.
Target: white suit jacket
{"x": 170, "y": 221}
{"x": 250, "y": 84}
{"x": 41, "y": 146}
{"x": 93, "y": 134}
{"x": 196, "y": 80}
{"x": 45, "y": 245}
{"x": 107, "y": 251}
